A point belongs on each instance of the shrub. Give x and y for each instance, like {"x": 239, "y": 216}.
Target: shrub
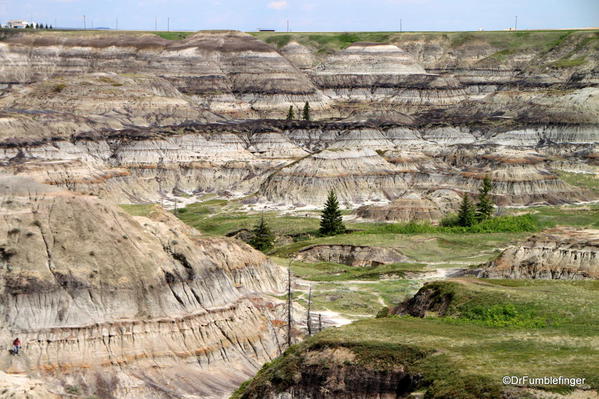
{"x": 501, "y": 224}
{"x": 449, "y": 221}
{"x": 384, "y": 312}
{"x": 59, "y": 87}
{"x": 503, "y": 315}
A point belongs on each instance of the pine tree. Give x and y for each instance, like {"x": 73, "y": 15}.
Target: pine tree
{"x": 485, "y": 206}
{"x": 466, "y": 215}
{"x": 306, "y": 112}
{"x": 331, "y": 221}
{"x": 290, "y": 114}
{"x": 262, "y": 238}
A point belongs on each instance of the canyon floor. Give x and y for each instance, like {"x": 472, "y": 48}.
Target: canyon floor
{"x": 134, "y": 165}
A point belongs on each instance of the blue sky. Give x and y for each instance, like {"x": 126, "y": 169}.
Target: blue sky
{"x": 308, "y": 15}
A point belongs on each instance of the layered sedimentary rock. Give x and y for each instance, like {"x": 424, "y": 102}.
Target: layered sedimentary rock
{"x": 559, "y": 253}
{"x": 408, "y": 208}
{"x": 267, "y": 158}
{"x": 102, "y": 114}
{"x": 230, "y": 72}
{"x": 143, "y": 307}
{"x": 356, "y": 176}
{"x": 351, "y": 255}
{"x": 383, "y": 73}
{"x": 95, "y": 102}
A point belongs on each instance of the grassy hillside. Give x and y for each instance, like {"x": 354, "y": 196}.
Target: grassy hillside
{"x": 493, "y": 328}
{"x": 540, "y": 40}
{"x": 358, "y": 292}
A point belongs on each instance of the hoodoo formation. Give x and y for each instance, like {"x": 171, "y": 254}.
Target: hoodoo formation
{"x": 110, "y": 141}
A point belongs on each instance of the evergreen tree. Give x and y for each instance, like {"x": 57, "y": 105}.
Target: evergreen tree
{"x": 466, "y": 215}
{"x": 485, "y": 207}
{"x": 290, "y": 114}
{"x": 331, "y": 221}
{"x": 262, "y": 238}
{"x": 306, "y": 112}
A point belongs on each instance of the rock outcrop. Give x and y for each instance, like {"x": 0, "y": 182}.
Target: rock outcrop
{"x": 356, "y": 176}
{"x": 559, "y": 253}
{"x": 411, "y": 207}
{"x": 132, "y": 307}
{"x": 334, "y": 371}
{"x": 231, "y": 72}
{"x": 100, "y": 113}
{"x": 351, "y": 255}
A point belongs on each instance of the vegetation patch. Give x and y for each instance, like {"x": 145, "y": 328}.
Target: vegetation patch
{"x": 570, "y": 62}
{"x": 174, "y": 35}
{"x": 138, "y": 209}
{"x": 502, "y": 224}
{"x": 324, "y": 271}
{"x": 584, "y": 180}
{"x": 467, "y": 360}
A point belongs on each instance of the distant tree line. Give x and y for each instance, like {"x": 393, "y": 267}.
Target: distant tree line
{"x": 36, "y": 26}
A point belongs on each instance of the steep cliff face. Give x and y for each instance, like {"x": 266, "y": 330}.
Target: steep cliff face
{"x": 105, "y": 301}
{"x": 560, "y": 253}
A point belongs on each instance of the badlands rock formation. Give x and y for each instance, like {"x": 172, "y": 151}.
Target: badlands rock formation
{"x": 559, "y": 253}
{"x": 408, "y": 208}
{"x": 134, "y": 117}
{"x": 119, "y": 306}
{"x": 129, "y": 307}
{"x": 351, "y": 255}
{"x": 231, "y": 72}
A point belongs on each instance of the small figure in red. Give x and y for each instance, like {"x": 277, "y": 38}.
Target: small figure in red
{"x": 16, "y": 346}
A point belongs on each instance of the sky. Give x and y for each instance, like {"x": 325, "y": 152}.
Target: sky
{"x": 308, "y": 15}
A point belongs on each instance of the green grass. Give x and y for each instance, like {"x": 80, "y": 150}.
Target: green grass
{"x": 174, "y": 35}
{"x": 422, "y": 248}
{"x": 570, "y": 62}
{"x": 225, "y": 223}
{"x": 324, "y": 271}
{"x": 335, "y": 286}
{"x": 578, "y": 216}
{"x": 325, "y": 41}
{"x": 584, "y": 180}
{"x": 502, "y": 224}
{"x": 138, "y": 209}
{"x": 465, "y": 355}
{"x": 505, "y": 43}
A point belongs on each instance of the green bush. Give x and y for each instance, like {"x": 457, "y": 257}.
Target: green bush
{"x": 503, "y": 315}
{"x": 449, "y": 221}
{"x": 384, "y": 312}
{"x": 501, "y": 224}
